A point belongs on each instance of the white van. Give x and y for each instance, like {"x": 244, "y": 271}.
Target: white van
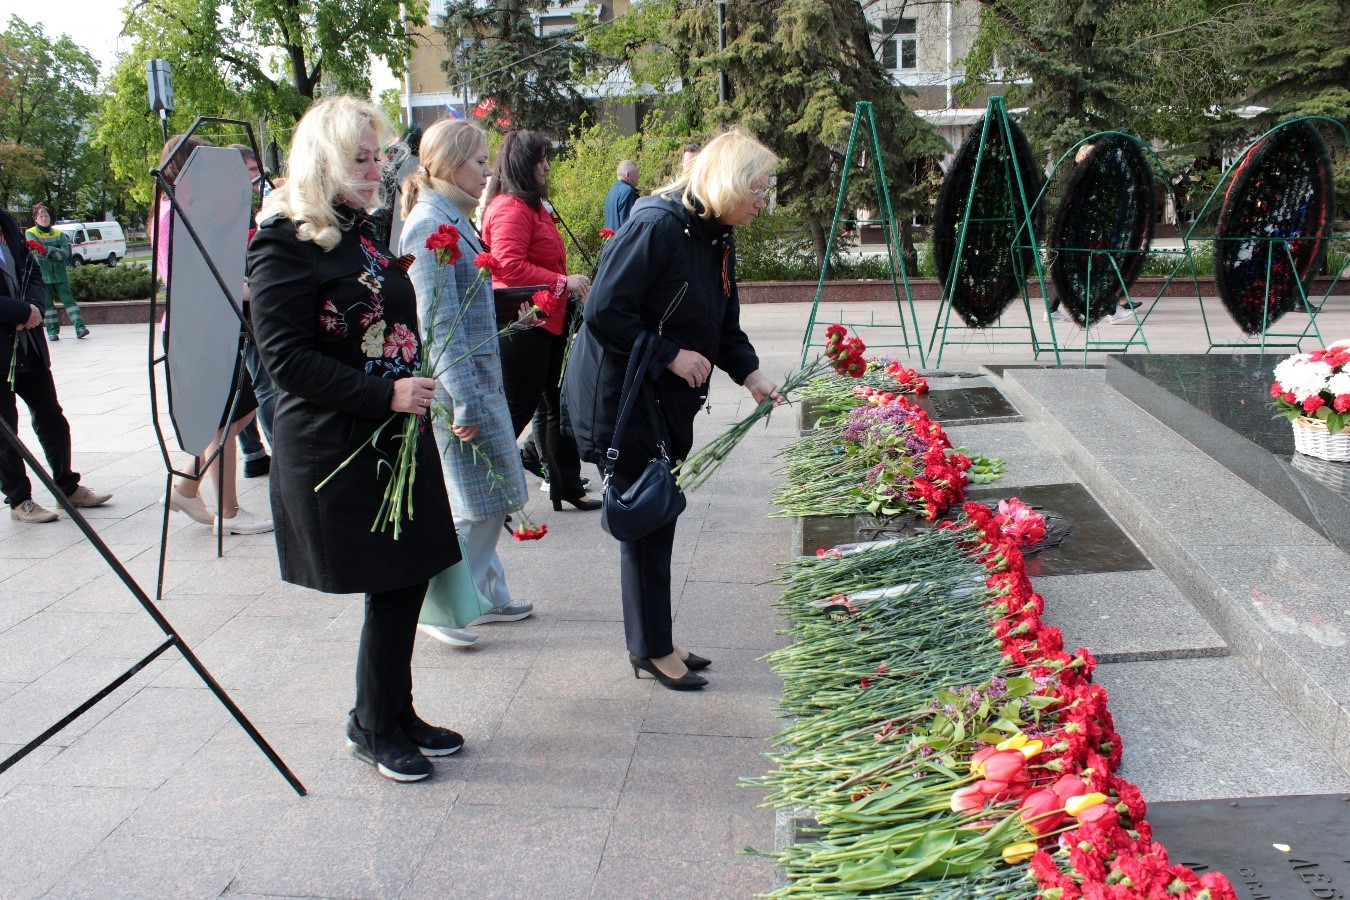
{"x": 95, "y": 242}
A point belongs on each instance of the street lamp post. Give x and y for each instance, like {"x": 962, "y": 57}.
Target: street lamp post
{"x": 721, "y": 48}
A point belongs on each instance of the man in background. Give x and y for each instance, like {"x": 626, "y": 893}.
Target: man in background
{"x": 619, "y": 202}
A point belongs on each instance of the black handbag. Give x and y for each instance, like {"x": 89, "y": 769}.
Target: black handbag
{"x": 507, "y": 300}
{"x": 654, "y": 499}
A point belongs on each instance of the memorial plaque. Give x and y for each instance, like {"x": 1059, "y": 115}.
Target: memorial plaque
{"x": 1271, "y": 848}
{"x": 969, "y": 406}
{"x": 1088, "y": 539}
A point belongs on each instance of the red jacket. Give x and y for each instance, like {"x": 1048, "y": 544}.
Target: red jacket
{"x": 527, "y": 247}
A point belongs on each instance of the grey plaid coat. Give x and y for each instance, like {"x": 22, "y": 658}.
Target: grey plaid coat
{"x": 490, "y": 483}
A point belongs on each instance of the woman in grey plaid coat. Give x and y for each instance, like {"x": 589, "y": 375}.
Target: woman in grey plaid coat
{"x": 478, "y": 451}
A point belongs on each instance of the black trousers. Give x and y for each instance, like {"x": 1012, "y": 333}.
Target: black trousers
{"x": 384, "y": 659}
{"x": 644, "y": 582}
{"x": 38, "y": 391}
{"x": 532, "y": 362}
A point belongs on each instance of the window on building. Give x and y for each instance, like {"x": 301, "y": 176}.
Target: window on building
{"x": 556, "y": 25}
{"x": 899, "y": 44}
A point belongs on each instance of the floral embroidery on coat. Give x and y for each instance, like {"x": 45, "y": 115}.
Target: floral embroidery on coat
{"x": 391, "y": 349}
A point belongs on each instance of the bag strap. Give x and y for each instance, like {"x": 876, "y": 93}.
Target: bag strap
{"x": 638, "y": 359}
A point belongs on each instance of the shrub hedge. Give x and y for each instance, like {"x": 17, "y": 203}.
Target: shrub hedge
{"x": 126, "y": 281}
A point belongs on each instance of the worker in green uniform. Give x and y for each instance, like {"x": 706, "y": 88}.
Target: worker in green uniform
{"x": 53, "y": 268}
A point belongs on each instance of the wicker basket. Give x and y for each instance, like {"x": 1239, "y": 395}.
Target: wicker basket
{"x": 1311, "y": 438}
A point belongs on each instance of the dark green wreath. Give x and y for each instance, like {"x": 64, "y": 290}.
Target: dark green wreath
{"x": 991, "y": 269}
{"x": 1282, "y": 188}
{"x": 1109, "y": 206}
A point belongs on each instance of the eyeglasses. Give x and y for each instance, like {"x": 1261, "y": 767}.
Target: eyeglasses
{"x": 758, "y": 196}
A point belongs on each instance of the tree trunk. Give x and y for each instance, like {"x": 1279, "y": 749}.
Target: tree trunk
{"x": 818, "y": 238}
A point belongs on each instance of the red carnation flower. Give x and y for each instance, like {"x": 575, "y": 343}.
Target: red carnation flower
{"x": 444, "y": 242}
{"x": 485, "y": 260}
{"x": 36, "y": 247}
{"x": 606, "y": 233}
{"x": 1313, "y": 403}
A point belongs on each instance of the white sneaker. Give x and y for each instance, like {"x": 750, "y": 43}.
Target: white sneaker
{"x": 455, "y": 637}
{"x": 1058, "y": 315}
{"x": 244, "y": 522}
{"x": 506, "y": 612}
{"x": 1120, "y": 315}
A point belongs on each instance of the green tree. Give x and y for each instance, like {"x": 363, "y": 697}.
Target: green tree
{"x": 1304, "y": 69}
{"x": 244, "y": 59}
{"x": 48, "y": 95}
{"x": 797, "y": 69}
{"x": 534, "y": 81}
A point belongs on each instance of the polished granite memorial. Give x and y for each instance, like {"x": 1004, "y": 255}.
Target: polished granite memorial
{"x": 1220, "y": 403}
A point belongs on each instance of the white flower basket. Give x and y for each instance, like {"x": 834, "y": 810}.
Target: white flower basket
{"x": 1312, "y": 438}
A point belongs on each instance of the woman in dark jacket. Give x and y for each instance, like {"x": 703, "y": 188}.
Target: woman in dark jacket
{"x": 336, "y": 322}
{"x": 519, "y": 229}
{"x": 669, "y": 272}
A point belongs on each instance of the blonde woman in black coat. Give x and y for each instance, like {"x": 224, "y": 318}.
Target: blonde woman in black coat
{"x": 670, "y": 272}
{"x": 336, "y": 322}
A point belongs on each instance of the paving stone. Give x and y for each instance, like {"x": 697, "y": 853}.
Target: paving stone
{"x": 712, "y": 614}
{"x": 335, "y": 847}
{"x": 45, "y": 830}
{"x": 682, "y": 800}
{"x": 581, "y": 659}
{"x": 43, "y": 702}
{"x": 1127, "y": 616}
{"x": 15, "y": 774}
{"x": 558, "y": 752}
{"x": 739, "y": 701}
{"x": 1028, "y": 459}
{"x": 137, "y": 867}
{"x": 1200, "y": 728}
{"x": 626, "y": 877}
{"x": 514, "y": 850}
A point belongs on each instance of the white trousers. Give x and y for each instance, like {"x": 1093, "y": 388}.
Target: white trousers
{"x": 480, "y": 543}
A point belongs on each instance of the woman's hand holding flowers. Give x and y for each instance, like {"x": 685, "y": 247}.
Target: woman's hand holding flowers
{"x": 761, "y": 386}
{"x": 692, "y": 366}
{"x": 579, "y": 285}
{"x": 413, "y": 395}
{"x": 465, "y": 433}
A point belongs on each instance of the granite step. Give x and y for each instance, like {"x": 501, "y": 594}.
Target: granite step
{"x": 1272, "y": 587}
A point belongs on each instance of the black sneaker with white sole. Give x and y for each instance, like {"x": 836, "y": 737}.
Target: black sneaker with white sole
{"x": 432, "y": 740}
{"x": 393, "y": 755}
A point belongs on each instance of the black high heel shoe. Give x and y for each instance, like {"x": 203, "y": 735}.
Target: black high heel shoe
{"x": 686, "y": 682}
{"x": 694, "y": 663}
{"x": 580, "y": 503}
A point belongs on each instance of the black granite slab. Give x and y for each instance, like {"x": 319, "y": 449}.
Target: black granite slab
{"x": 1246, "y": 839}
{"x": 1088, "y": 540}
{"x": 1220, "y": 403}
{"x": 1083, "y": 539}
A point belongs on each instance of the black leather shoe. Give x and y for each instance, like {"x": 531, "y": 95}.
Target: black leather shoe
{"x": 393, "y": 755}
{"x": 257, "y": 468}
{"x": 693, "y": 662}
{"x": 686, "y": 682}
{"x": 583, "y": 504}
{"x": 532, "y": 463}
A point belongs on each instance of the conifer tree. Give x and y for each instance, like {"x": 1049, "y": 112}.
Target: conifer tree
{"x": 1305, "y": 69}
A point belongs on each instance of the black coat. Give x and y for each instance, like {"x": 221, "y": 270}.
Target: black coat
{"x": 33, "y": 354}
{"x": 312, "y": 312}
{"x": 660, "y": 250}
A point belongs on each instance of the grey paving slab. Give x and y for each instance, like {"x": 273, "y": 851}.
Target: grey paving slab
{"x": 1028, "y": 458}
{"x": 19, "y": 605}
{"x": 715, "y": 614}
{"x": 15, "y": 774}
{"x": 557, "y": 752}
{"x": 133, "y": 868}
{"x": 337, "y": 847}
{"x": 42, "y": 642}
{"x": 682, "y": 799}
{"x": 740, "y": 701}
{"x": 626, "y": 877}
{"x": 45, "y": 830}
{"x": 115, "y": 752}
{"x": 1127, "y": 616}
{"x": 39, "y": 704}
{"x": 581, "y": 659}
{"x": 1182, "y": 721}
{"x": 512, "y": 851}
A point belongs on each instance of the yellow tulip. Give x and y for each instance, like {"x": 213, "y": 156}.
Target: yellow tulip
{"x": 1013, "y": 743}
{"x": 1074, "y": 806}
{"x": 1031, "y": 748}
{"x": 1017, "y": 853}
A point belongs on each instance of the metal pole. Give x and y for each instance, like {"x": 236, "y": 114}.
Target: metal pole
{"x": 721, "y": 48}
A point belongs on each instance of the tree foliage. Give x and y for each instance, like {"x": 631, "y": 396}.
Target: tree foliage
{"x": 534, "y": 81}
{"x": 797, "y": 69}
{"x": 48, "y": 92}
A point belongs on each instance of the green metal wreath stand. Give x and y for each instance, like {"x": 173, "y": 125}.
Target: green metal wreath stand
{"x": 900, "y": 287}
{"x": 1276, "y": 248}
{"x": 1020, "y": 214}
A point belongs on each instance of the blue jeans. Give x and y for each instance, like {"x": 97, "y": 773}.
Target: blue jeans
{"x": 250, "y": 444}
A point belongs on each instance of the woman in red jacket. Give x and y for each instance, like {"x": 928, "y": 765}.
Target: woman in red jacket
{"x": 518, "y": 226}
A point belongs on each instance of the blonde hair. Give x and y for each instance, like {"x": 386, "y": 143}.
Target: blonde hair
{"x": 318, "y": 173}
{"x": 447, "y": 145}
{"x": 719, "y": 178}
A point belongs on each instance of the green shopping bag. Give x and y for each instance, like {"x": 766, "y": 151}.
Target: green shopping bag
{"x": 452, "y": 599}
